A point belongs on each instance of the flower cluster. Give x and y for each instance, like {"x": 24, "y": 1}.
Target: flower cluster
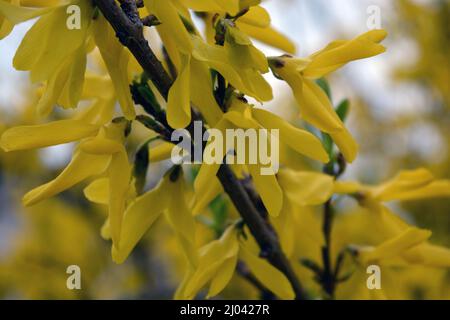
{"x": 214, "y": 73}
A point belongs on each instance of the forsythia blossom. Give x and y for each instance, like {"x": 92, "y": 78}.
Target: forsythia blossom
{"x": 215, "y": 73}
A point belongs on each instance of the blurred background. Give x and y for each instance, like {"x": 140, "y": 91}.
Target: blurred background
{"x": 399, "y": 115}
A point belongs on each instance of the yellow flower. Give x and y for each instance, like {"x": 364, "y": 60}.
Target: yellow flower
{"x": 99, "y": 90}
{"x": 393, "y": 247}
{"x": 238, "y": 61}
{"x": 83, "y": 125}
{"x": 93, "y": 156}
{"x": 81, "y": 167}
{"x": 40, "y": 136}
{"x": 301, "y": 189}
{"x": 193, "y": 82}
{"x": 116, "y": 58}
{"x": 407, "y": 185}
{"x": 315, "y": 107}
{"x": 62, "y": 67}
{"x": 110, "y": 144}
{"x": 255, "y": 22}
{"x": 168, "y": 14}
{"x": 144, "y": 210}
{"x": 406, "y": 244}
{"x": 230, "y": 6}
{"x": 12, "y": 13}
{"x": 216, "y": 265}
{"x": 242, "y": 115}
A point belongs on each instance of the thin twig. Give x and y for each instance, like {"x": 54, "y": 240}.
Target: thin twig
{"x": 244, "y": 272}
{"x": 329, "y": 277}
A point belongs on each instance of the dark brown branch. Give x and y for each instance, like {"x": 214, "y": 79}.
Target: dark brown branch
{"x": 266, "y": 239}
{"x": 129, "y": 32}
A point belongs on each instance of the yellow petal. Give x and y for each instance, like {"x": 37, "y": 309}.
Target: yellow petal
{"x": 178, "y": 104}
{"x": 316, "y": 108}
{"x": 204, "y": 199}
{"x": 65, "y": 87}
{"x": 207, "y": 171}
{"x": 257, "y": 16}
{"x": 171, "y": 46}
{"x": 363, "y": 46}
{"x": 223, "y": 276}
{"x": 395, "y": 246}
{"x": 403, "y": 183}
{"x": 17, "y": 14}
{"x": 268, "y": 275}
{"x": 138, "y": 218}
{"x": 217, "y": 58}
{"x": 268, "y": 36}
{"x": 243, "y": 4}
{"x": 39, "y": 136}
{"x": 306, "y": 188}
{"x": 5, "y": 27}
{"x": 161, "y": 152}
{"x": 249, "y": 61}
{"x": 181, "y": 289}
{"x": 182, "y": 220}
{"x": 98, "y": 191}
{"x": 300, "y": 140}
{"x": 285, "y": 226}
{"x": 346, "y": 144}
{"x": 230, "y": 6}
{"x": 170, "y": 20}
{"x": 347, "y": 187}
{"x": 212, "y": 257}
{"x": 39, "y": 3}
{"x": 429, "y": 255}
{"x": 435, "y": 189}
{"x": 201, "y": 89}
{"x": 119, "y": 173}
{"x": 33, "y": 53}
{"x": 257, "y": 84}
{"x": 80, "y": 168}
{"x": 105, "y": 231}
{"x": 240, "y": 114}
{"x": 202, "y": 5}
{"x": 116, "y": 59}
{"x": 101, "y": 146}
{"x": 269, "y": 190}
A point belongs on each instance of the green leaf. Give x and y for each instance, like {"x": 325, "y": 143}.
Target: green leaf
{"x": 141, "y": 163}
{"x": 323, "y": 83}
{"x": 143, "y": 95}
{"x": 328, "y": 144}
{"x": 220, "y": 214}
{"x": 343, "y": 109}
